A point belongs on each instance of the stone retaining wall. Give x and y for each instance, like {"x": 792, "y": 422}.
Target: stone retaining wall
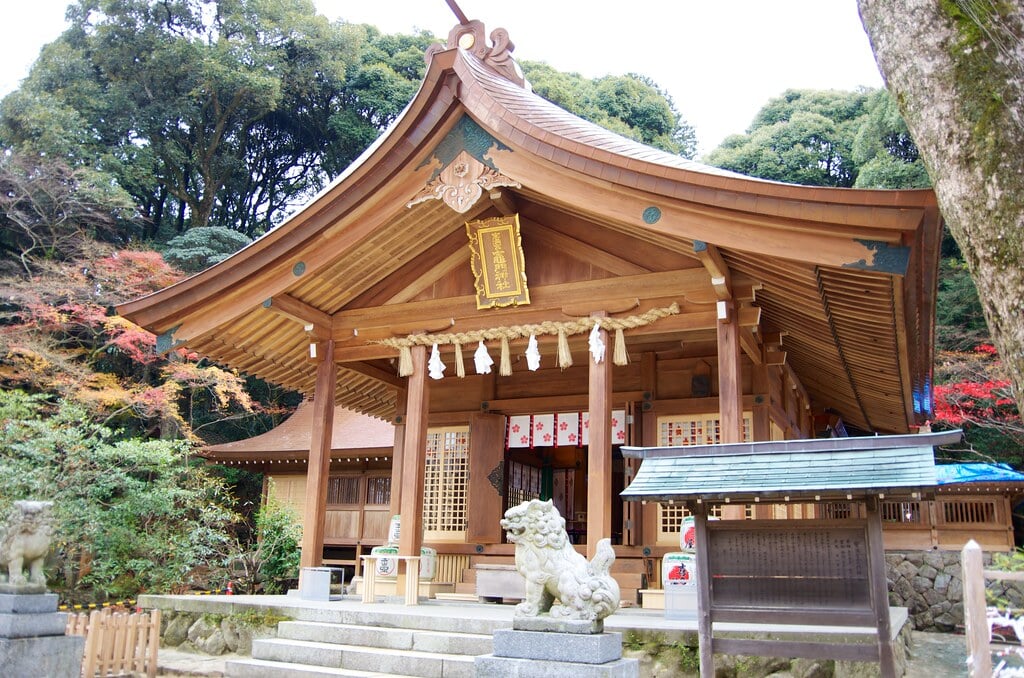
{"x": 929, "y": 585}
{"x": 212, "y": 634}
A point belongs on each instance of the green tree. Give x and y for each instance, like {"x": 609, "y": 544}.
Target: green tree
{"x": 271, "y": 559}
{"x": 131, "y": 516}
{"x": 201, "y": 247}
{"x": 883, "y": 150}
{"x": 180, "y": 101}
{"x": 50, "y": 211}
{"x": 802, "y": 137}
{"x": 826, "y": 138}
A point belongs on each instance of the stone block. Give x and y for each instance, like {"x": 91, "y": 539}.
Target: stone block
{"x": 176, "y": 632}
{"x": 927, "y": 571}
{"x": 935, "y": 559}
{"x": 48, "y": 657}
{"x": 906, "y": 569}
{"x": 32, "y": 625}
{"x": 11, "y": 603}
{"x": 556, "y": 625}
{"x": 489, "y": 666}
{"x": 573, "y": 648}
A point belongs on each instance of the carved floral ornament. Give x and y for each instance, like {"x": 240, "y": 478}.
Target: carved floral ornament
{"x": 461, "y": 183}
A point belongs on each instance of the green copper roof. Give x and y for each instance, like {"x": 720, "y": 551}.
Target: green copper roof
{"x": 798, "y": 468}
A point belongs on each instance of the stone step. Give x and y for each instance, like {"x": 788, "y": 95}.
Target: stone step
{"x": 389, "y": 638}
{"x": 463, "y": 592}
{"x": 262, "y": 668}
{"x": 385, "y": 660}
{"x": 432, "y": 621}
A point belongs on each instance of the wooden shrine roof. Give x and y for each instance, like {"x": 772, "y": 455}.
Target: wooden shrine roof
{"x": 845, "y": 277}
{"x": 823, "y": 468}
{"x": 355, "y": 435}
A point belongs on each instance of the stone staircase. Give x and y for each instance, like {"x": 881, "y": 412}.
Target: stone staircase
{"x": 371, "y": 643}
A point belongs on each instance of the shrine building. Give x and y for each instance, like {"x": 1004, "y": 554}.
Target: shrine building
{"x": 516, "y": 293}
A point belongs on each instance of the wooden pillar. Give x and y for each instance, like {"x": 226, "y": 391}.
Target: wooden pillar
{"x": 397, "y": 454}
{"x": 599, "y": 451}
{"x": 319, "y": 466}
{"x": 730, "y": 386}
{"x": 879, "y": 588}
{"x": 414, "y": 454}
{"x": 705, "y": 631}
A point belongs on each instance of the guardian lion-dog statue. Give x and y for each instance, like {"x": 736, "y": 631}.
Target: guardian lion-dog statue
{"x": 554, "y": 570}
{"x": 24, "y": 543}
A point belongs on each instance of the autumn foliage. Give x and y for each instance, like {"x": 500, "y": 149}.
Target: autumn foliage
{"x": 58, "y": 337}
{"x": 975, "y": 394}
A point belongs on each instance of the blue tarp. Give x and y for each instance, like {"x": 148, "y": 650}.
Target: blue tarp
{"x": 947, "y": 474}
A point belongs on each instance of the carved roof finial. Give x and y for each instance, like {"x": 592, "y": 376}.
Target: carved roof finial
{"x": 468, "y": 35}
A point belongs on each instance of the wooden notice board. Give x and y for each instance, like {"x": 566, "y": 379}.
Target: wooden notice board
{"x": 773, "y": 566}
{"x": 792, "y": 572}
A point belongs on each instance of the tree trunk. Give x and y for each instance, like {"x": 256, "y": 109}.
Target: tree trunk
{"x": 956, "y": 69}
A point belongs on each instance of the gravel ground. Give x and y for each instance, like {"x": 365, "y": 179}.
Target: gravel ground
{"x": 937, "y": 655}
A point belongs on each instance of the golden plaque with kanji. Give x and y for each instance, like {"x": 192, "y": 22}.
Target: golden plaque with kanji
{"x": 499, "y": 269}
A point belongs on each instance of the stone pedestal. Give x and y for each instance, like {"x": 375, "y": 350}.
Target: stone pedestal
{"x": 550, "y": 651}
{"x": 32, "y": 640}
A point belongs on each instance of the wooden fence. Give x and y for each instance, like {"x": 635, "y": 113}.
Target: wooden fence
{"x": 117, "y": 643}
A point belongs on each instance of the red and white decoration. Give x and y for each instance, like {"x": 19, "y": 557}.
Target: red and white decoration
{"x": 563, "y": 429}
{"x": 568, "y": 425}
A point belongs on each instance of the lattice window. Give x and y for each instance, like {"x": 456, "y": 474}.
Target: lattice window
{"x": 378, "y": 491}
{"x": 679, "y": 430}
{"x": 980, "y": 511}
{"x": 836, "y": 510}
{"x": 446, "y": 484}
{"x": 901, "y": 512}
{"x": 524, "y": 483}
{"x": 343, "y": 490}
{"x": 670, "y": 520}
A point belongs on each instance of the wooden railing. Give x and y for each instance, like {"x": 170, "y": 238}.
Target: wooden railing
{"x": 117, "y": 643}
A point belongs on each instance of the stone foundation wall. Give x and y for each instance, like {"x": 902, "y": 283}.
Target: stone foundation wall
{"x": 929, "y": 585}
{"x": 212, "y": 634}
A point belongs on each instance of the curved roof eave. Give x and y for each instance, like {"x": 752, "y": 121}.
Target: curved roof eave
{"x": 456, "y": 78}
{"x": 503, "y": 105}
{"x": 152, "y": 310}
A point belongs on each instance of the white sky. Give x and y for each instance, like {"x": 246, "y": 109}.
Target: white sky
{"x": 720, "y": 60}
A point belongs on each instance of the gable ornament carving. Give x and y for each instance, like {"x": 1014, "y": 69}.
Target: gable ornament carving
{"x": 461, "y": 183}
{"x": 468, "y": 35}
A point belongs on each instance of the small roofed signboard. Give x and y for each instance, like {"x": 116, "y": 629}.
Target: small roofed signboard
{"x": 499, "y": 269}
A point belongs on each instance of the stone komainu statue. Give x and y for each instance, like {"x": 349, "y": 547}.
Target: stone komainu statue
{"x": 24, "y": 543}
{"x": 554, "y": 570}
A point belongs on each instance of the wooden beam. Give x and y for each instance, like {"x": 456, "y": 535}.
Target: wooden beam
{"x": 716, "y": 267}
{"x": 748, "y": 342}
{"x": 504, "y": 202}
{"x": 674, "y": 284}
{"x": 599, "y": 455}
{"x": 314, "y": 512}
{"x": 299, "y": 311}
{"x": 582, "y": 250}
{"x": 377, "y": 374}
